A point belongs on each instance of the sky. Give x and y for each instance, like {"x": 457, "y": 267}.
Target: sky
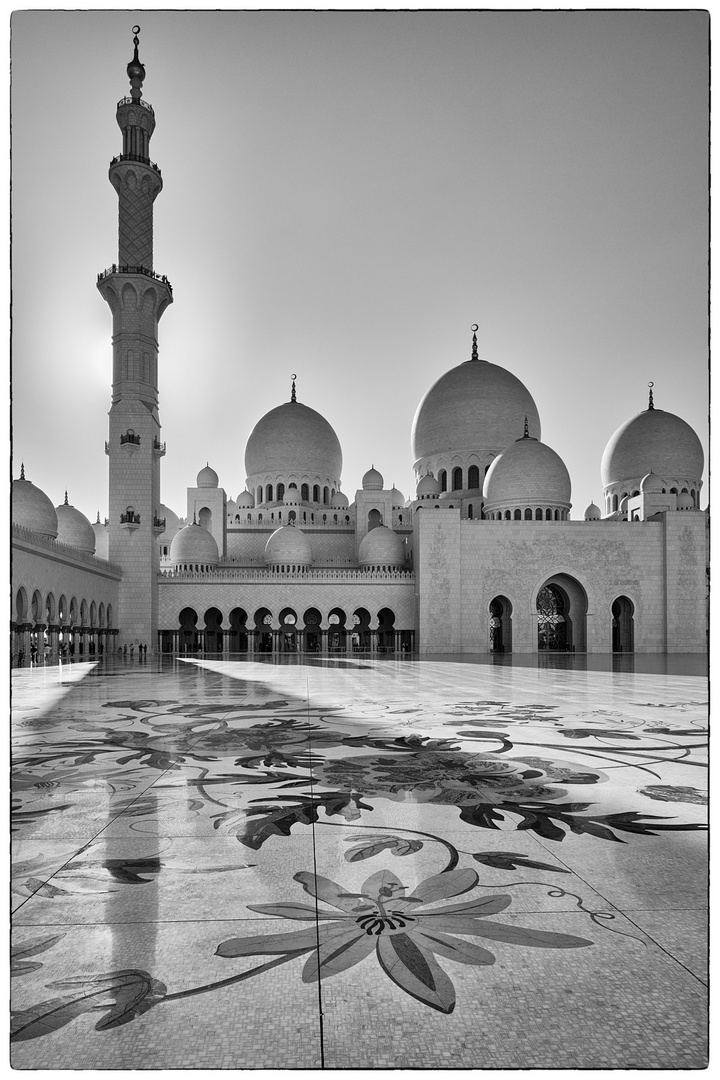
{"x": 346, "y": 193}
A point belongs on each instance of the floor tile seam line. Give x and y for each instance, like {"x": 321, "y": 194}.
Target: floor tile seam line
{"x": 321, "y": 1031}
{"x": 75, "y": 855}
{"x": 625, "y": 915}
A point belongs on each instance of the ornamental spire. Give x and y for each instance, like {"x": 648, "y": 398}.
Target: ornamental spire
{"x": 474, "y": 329}
{"x": 292, "y": 391}
{"x": 22, "y": 470}
{"x": 650, "y": 401}
{"x": 135, "y": 70}
{"x": 526, "y": 432}
{"x": 66, "y": 498}
{"x": 98, "y": 518}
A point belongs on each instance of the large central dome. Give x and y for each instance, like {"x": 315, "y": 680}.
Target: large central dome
{"x": 476, "y": 407}
{"x": 294, "y": 440}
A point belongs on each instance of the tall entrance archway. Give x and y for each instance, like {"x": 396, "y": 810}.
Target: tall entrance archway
{"x": 361, "y": 630}
{"x": 562, "y": 615}
{"x": 500, "y": 624}
{"x": 313, "y": 634}
{"x": 623, "y": 625}
{"x": 263, "y": 630}
{"x": 288, "y": 630}
{"x": 336, "y": 631}
{"x": 386, "y": 630}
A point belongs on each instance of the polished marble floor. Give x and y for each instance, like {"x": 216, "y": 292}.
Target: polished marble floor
{"x": 359, "y": 864}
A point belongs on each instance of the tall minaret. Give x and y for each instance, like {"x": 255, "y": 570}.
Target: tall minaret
{"x": 137, "y": 298}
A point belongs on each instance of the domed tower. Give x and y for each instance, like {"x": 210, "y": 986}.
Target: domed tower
{"x": 293, "y": 444}
{"x": 30, "y": 508}
{"x": 137, "y": 298}
{"x": 207, "y": 503}
{"x": 469, "y": 416}
{"x": 656, "y": 442}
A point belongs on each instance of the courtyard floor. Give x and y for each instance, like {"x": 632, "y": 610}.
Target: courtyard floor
{"x": 359, "y": 864}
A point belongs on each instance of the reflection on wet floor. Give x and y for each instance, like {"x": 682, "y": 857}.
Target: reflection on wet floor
{"x": 412, "y": 863}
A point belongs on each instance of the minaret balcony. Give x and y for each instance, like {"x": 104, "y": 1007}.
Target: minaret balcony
{"x": 130, "y": 437}
{"x": 136, "y": 101}
{"x": 159, "y": 525}
{"x": 138, "y": 158}
{"x": 159, "y": 448}
{"x": 130, "y": 521}
{"x": 115, "y": 269}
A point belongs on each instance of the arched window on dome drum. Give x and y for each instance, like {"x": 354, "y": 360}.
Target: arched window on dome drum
{"x": 316, "y": 493}
{"x": 305, "y": 493}
{"x": 692, "y": 496}
{"x": 326, "y": 496}
{"x": 614, "y": 503}
{"x": 442, "y": 477}
{"x": 259, "y": 494}
{"x": 280, "y": 491}
{"x": 457, "y": 479}
{"x": 473, "y": 477}
{"x": 508, "y": 515}
{"x": 528, "y": 513}
{"x": 538, "y": 514}
{"x": 470, "y": 510}
{"x": 517, "y": 515}
{"x": 548, "y": 515}
{"x": 269, "y": 493}
{"x": 557, "y": 515}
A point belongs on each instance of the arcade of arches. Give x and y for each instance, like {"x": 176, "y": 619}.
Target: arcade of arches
{"x": 290, "y": 631}
{"x": 50, "y": 627}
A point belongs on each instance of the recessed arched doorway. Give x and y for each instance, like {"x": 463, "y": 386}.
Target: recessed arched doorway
{"x": 238, "y": 633}
{"x": 623, "y": 625}
{"x": 386, "y": 630}
{"x": 188, "y": 633}
{"x": 313, "y": 634}
{"x": 500, "y": 624}
{"x": 213, "y": 632}
{"x": 336, "y": 631}
{"x": 562, "y": 615}
{"x": 263, "y": 630}
{"x": 374, "y": 519}
{"x": 288, "y": 630}
{"x": 361, "y": 630}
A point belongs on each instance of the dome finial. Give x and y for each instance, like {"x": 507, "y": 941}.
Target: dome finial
{"x": 135, "y": 70}
{"x": 98, "y": 518}
{"x": 194, "y": 519}
{"x": 526, "y": 432}
{"x": 292, "y": 390}
{"x": 66, "y": 498}
{"x": 22, "y": 470}
{"x": 474, "y": 329}
{"x": 650, "y": 401}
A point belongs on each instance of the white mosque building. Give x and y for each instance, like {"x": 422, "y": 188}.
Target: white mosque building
{"x": 481, "y": 558}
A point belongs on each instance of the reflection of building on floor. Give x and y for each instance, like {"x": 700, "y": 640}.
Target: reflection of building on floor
{"x": 483, "y": 558}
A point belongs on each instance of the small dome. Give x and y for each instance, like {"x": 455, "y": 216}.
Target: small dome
{"x": 593, "y": 512}
{"x": 652, "y": 482}
{"x": 397, "y": 498}
{"x": 102, "y": 539}
{"x": 685, "y": 501}
{"x": 74, "y": 528}
{"x": 339, "y": 501}
{"x": 293, "y": 439}
{"x": 207, "y": 477}
{"x": 230, "y": 507}
{"x": 32, "y": 509}
{"x": 245, "y": 501}
{"x": 428, "y": 485}
{"x": 288, "y": 545}
{"x": 194, "y": 544}
{"x": 172, "y": 523}
{"x": 381, "y": 547}
{"x": 373, "y": 480}
{"x": 654, "y": 441}
{"x": 476, "y": 406}
{"x": 527, "y": 473}
{"x": 291, "y": 496}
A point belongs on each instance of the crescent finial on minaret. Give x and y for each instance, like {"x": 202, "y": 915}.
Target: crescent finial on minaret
{"x": 135, "y": 70}
{"x": 650, "y": 401}
{"x": 474, "y": 329}
{"x": 292, "y": 391}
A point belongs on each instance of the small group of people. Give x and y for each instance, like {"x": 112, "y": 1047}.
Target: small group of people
{"x": 142, "y": 651}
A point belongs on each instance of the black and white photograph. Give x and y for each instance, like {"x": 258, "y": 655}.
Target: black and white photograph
{"x": 359, "y": 541}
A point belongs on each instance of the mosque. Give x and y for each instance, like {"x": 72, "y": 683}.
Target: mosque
{"x": 481, "y": 558}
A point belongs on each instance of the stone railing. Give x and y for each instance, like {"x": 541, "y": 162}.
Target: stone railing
{"x": 19, "y": 532}
{"x": 265, "y": 576}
